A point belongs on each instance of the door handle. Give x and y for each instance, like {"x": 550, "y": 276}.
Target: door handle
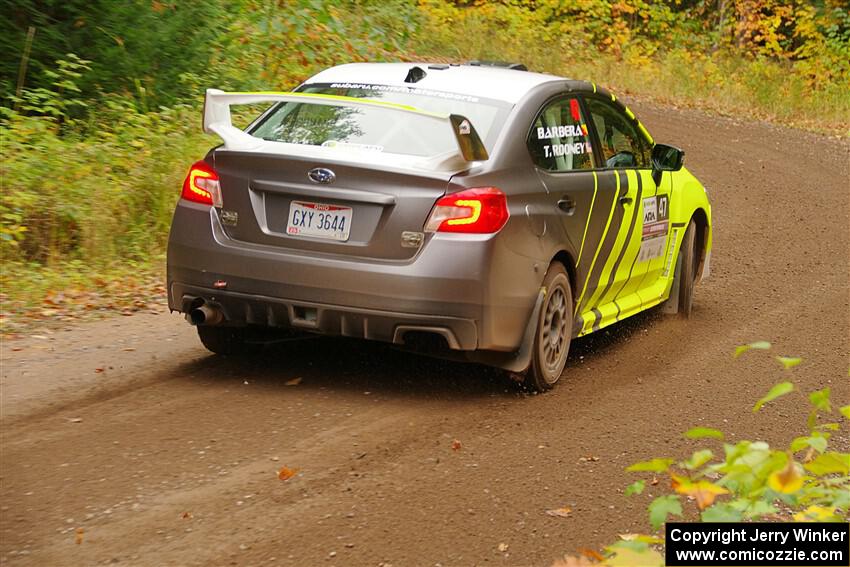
{"x": 567, "y": 205}
{"x": 626, "y": 200}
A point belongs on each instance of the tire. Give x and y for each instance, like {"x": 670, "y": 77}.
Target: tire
{"x": 225, "y": 340}
{"x": 554, "y": 332}
{"x": 687, "y": 271}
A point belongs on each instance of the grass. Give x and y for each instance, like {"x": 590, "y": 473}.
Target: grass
{"x": 35, "y": 297}
{"x": 722, "y": 82}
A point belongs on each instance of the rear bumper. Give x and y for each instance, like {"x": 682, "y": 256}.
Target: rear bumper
{"x": 448, "y": 288}
{"x": 248, "y": 309}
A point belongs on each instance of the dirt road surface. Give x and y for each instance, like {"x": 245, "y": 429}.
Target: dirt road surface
{"x": 169, "y": 456}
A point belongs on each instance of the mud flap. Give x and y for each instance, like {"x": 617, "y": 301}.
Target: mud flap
{"x": 671, "y": 306}
{"x": 522, "y": 358}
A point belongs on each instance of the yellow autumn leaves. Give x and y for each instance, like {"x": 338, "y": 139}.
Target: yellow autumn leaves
{"x": 702, "y": 491}
{"x": 787, "y": 480}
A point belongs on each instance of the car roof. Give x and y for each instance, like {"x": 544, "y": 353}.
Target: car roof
{"x": 483, "y": 81}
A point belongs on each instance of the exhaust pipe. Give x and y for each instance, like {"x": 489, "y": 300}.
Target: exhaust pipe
{"x": 205, "y": 314}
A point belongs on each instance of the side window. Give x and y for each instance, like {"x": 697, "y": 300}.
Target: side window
{"x": 621, "y": 144}
{"x": 559, "y": 139}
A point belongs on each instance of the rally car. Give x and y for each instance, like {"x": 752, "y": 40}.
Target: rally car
{"x": 484, "y": 211}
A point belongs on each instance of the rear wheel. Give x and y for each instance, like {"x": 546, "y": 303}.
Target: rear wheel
{"x": 554, "y": 331}
{"x": 687, "y": 271}
{"x": 225, "y": 340}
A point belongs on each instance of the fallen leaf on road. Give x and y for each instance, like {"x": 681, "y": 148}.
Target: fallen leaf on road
{"x": 589, "y": 458}
{"x": 591, "y": 554}
{"x": 640, "y": 537}
{"x": 186, "y": 515}
{"x": 75, "y": 419}
{"x": 503, "y": 547}
{"x": 560, "y": 512}
{"x": 293, "y": 382}
{"x": 16, "y": 349}
{"x": 98, "y": 370}
{"x": 40, "y": 337}
{"x": 79, "y": 536}
{"x": 128, "y": 349}
{"x": 654, "y": 481}
{"x": 285, "y": 473}
{"x": 456, "y": 445}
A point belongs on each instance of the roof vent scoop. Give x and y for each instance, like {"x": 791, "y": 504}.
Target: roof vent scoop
{"x": 503, "y": 64}
{"x": 415, "y": 75}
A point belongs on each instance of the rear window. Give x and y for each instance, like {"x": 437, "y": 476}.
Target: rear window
{"x": 371, "y": 129}
{"x": 378, "y": 129}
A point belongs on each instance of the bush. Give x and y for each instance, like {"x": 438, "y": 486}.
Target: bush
{"x": 803, "y": 482}
{"x": 98, "y": 194}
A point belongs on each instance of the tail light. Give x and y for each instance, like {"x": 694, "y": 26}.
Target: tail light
{"x": 202, "y": 185}
{"x": 483, "y": 210}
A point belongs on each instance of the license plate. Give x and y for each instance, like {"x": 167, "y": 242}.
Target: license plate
{"x": 319, "y": 220}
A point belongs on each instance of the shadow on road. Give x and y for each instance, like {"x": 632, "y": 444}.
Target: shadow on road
{"x": 356, "y": 365}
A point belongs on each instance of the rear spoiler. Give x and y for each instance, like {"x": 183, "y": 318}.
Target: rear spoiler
{"x": 217, "y": 118}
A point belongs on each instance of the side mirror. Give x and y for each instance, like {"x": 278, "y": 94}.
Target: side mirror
{"x": 667, "y": 158}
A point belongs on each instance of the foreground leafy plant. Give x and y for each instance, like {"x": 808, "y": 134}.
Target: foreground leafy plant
{"x": 804, "y": 482}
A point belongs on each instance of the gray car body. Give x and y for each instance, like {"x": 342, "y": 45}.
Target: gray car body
{"x": 478, "y": 292}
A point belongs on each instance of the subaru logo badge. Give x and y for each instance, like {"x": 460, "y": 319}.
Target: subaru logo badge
{"x": 321, "y": 175}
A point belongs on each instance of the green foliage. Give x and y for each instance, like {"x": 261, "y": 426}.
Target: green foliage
{"x": 700, "y": 432}
{"x": 788, "y": 361}
{"x": 776, "y": 391}
{"x": 325, "y": 33}
{"x": 96, "y": 194}
{"x": 63, "y": 96}
{"x": 655, "y": 465}
{"x": 137, "y": 48}
{"x": 758, "y": 345}
{"x": 663, "y": 507}
{"x": 804, "y": 482}
{"x": 635, "y": 488}
{"x": 676, "y": 51}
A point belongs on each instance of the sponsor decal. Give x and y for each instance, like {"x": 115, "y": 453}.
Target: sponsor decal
{"x": 574, "y": 110}
{"x": 565, "y": 131}
{"x": 655, "y": 225}
{"x": 668, "y": 264}
{"x": 407, "y": 90}
{"x": 352, "y": 146}
{"x": 559, "y": 150}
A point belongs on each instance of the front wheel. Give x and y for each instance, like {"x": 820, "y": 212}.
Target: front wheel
{"x": 554, "y": 331}
{"x": 687, "y": 272}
